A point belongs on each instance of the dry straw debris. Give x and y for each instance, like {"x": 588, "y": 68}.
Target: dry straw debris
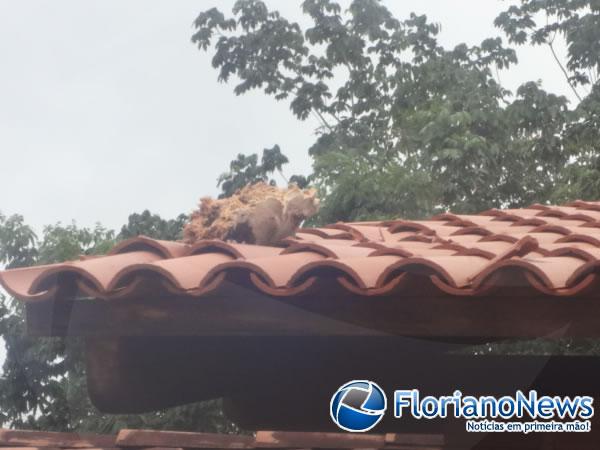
{"x": 257, "y": 214}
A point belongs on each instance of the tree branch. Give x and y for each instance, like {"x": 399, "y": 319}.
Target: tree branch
{"x": 562, "y": 68}
{"x": 280, "y": 172}
{"x": 566, "y": 74}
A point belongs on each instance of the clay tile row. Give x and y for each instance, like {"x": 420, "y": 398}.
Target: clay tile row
{"x": 549, "y": 249}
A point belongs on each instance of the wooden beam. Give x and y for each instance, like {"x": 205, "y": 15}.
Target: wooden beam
{"x": 419, "y": 447}
{"x": 138, "y": 374}
{"x": 212, "y": 316}
{"x": 30, "y": 448}
{"x": 152, "y": 438}
{"x": 21, "y": 438}
{"x": 328, "y": 312}
{"x": 279, "y": 439}
{"x": 512, "y": 313}
{"x": 396, "y": 439}
{"x": 137, "y": 440}
{"x": 290, "y": 439}
{"x": 157, "y": 448}
{"x": 61, "y": 448}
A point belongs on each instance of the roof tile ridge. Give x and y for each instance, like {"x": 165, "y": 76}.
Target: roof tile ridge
{"x": 522, "y": 247}
{"x": 163, "y": 247}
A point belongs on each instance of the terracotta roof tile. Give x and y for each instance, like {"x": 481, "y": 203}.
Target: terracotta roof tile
{"x": 166, "y": 249}
{"x": 470, "y": 239}
{"x": 552, "y": 249}
{"x": 237, "y": 251}
{"x": 367, "y": 232}
{"x": 325, "y": 233}
{"x": 185, "y": 273}
{"x": 332, "y": 251}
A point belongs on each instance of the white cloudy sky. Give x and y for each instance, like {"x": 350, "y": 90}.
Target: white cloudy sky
{"x": 106, "y": 108}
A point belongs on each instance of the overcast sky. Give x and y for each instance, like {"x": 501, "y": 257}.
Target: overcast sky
{"x": 106, "y": 108}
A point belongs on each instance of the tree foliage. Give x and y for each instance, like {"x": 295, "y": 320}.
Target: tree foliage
{"x": 152, "y": 225}
{"x": 577, "y": 21}
{"x": 540, "y": 23}
{"x": 409, "y": 127}
{"x": 246, "y": 169}
{"x": 43, "y": 379}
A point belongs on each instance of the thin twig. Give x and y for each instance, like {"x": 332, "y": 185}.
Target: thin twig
{"x": 497, "y": 74}
{"x": 320, "y": 119}
{"x": 562, "y": 68}
{"x": 566, "y": 74}
{"x": 280, "y": 172}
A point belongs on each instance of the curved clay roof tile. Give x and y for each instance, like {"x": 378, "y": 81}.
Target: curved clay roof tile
{"x": 554, "y": 250}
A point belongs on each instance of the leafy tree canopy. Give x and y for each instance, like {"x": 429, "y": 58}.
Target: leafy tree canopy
{"x": 152, "y": 225}
{"x": 246, "y": 169}
{"x": 539, "y": 23}
{"x": 577, "y": 21}
{"x": 409, "y": 127}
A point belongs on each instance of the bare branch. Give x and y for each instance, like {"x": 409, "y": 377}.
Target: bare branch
{"x": 560, "y": 65}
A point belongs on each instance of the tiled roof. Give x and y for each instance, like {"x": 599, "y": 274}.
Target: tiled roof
{"x": 552, "y": 249}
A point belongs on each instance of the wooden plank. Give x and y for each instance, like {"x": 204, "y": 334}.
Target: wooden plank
{"x": 417, "y": 447}
{"x": 291, "y": 439}
{"x": 151, "y": 438}
{"x": 159, "y": 448}
{"x": 98, "y": 448}
{"x": 63, "y": 448}
{"x": 391, "y": 441}
{"x": 137, "y": 374}
{"x": 242, "y": 312}
{"x": 247, "y": 314}
{"x": 30, "y": 448}
{"x": 134, "y": 375}
{"x": 402, "y": 439}
{"x": 513, "y": 313}
{"x": 24, "y": 438}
